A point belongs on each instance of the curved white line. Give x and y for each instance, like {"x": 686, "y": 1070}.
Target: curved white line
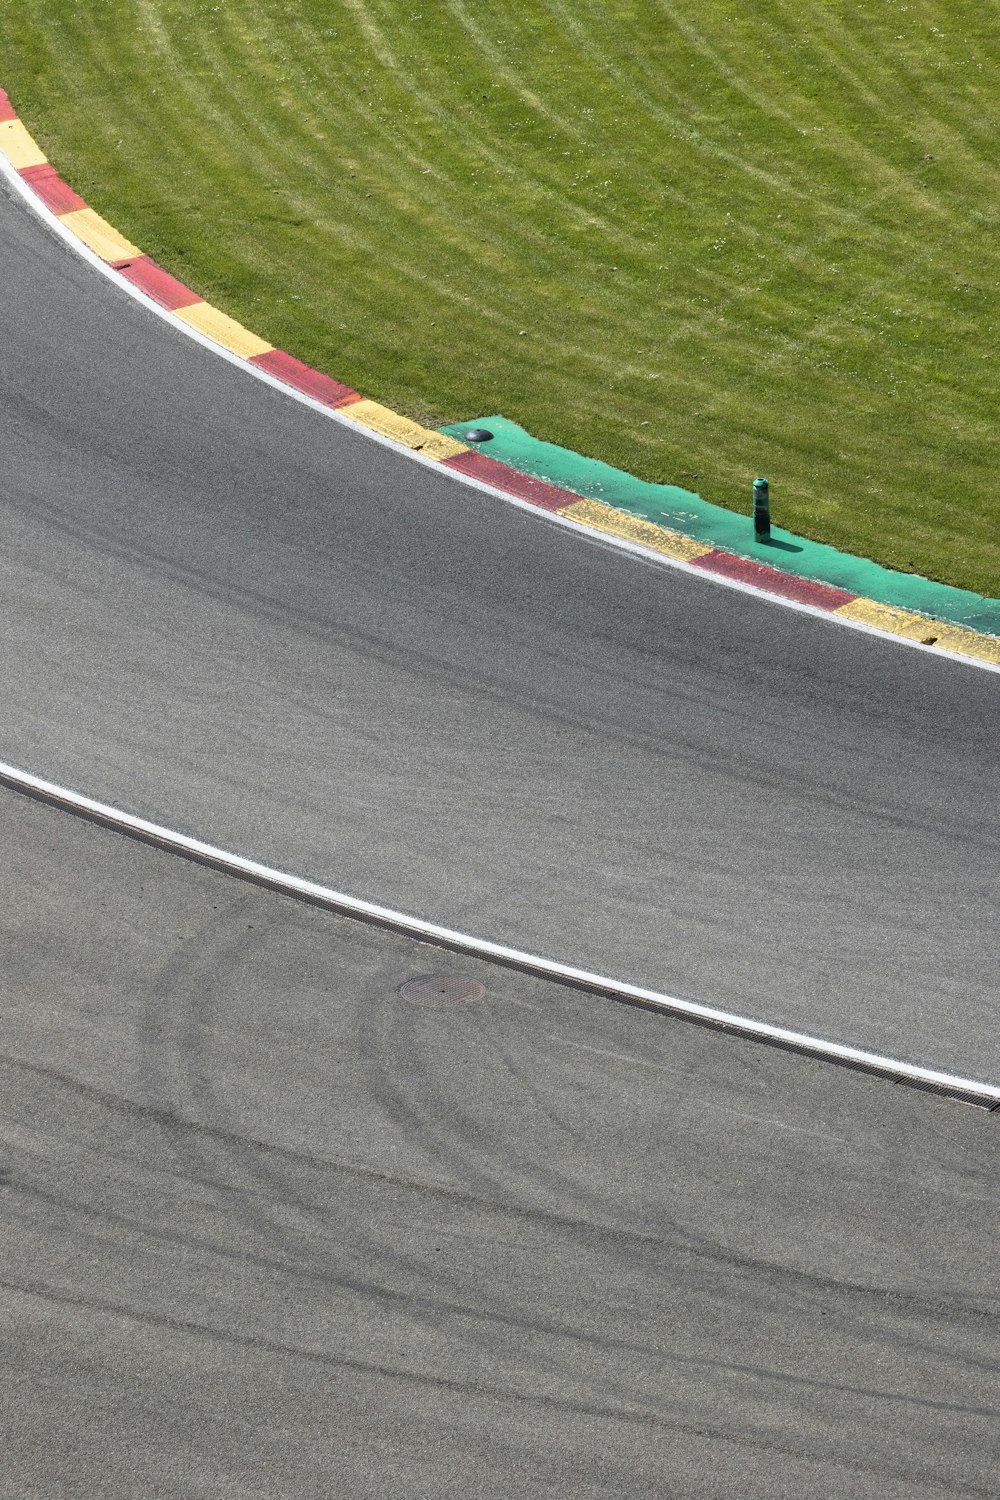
{"x": 584, "y": 533}
{"x": 337, "y": 901}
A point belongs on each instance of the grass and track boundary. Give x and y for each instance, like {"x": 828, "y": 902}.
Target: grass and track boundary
{"x": 647, "y": 510}
{"x": 151, "y": 282}
{"x": 700, "y": 244}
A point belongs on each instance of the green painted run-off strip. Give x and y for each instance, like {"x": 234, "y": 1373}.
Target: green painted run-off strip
{"x": 683, "y": 511}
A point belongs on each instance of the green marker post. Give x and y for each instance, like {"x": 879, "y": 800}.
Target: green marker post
{"x": 761, "y": 510}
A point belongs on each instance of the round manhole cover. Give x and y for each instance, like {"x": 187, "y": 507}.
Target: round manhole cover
{"x": 442, "y": 990}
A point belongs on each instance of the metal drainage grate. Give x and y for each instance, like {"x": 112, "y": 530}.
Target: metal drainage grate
{"x": 440, "y": 991}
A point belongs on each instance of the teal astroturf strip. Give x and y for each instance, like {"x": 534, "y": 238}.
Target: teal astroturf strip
{"x": 683, "y": 511}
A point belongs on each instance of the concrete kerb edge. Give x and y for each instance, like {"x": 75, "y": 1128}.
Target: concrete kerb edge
{"x": 25, "y": 190}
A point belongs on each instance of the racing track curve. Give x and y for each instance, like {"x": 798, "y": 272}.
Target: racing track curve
{"x": 248, "y": 622}
{"x": 270, "y": 1230}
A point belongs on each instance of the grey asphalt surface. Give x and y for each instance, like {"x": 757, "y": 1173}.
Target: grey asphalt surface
{"x": 269, "y": 1230}
{"x": 228, "y": 613}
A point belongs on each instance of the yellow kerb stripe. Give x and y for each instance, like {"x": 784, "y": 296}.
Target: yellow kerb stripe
{"x": 223, "y": 329}
{"x": 919, "y": 628}
{"x": 20, "y": 149}
{"x": 646, "y": 533}
{"x": 402, "y": 430}
{"x": 98, "y": 235}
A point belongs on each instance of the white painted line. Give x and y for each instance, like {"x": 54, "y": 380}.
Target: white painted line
{"x": 585, "y": 533}
{"x": 337, "y": 901}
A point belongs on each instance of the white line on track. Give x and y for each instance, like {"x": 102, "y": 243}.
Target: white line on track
{"x": 584, "y": 533}
{"x": 223, "y": 860}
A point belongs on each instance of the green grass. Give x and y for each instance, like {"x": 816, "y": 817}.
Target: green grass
{"x": 695, "y": 238}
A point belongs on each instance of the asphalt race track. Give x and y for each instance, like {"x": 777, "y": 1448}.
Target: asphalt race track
{"x": 228, "y": 613}
{"x": 272, "y": 1230}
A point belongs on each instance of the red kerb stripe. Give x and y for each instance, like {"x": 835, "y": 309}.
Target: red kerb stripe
{"x": 7, "y": 110}
{"x": 502, "y": 477}
{"x": 54, "y": 193}
{"x": 311, "y": 382}
{"x": 822, "y": 595}
{"x": 158, "y": 283}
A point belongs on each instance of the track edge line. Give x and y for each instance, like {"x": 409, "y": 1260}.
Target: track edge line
{"x": 968, "y": 1090}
